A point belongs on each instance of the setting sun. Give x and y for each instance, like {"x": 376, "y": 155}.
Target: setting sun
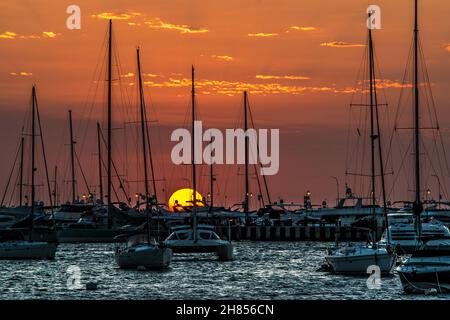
{"x": 182, "y": 199}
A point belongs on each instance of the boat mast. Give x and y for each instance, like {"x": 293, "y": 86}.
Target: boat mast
{"x": 21, "y": 170}
{"x": 380, "y": 154}
{"x": 144, "y": 149}
{"x": 372, "y": 129}
{"x": 194, "y": 180}
{"x": 72, "y": 160}
{"x": 417, "y": 207}
{"x": 33, "y": 146}
{"x": 100, "y": 176}
{"x": 246, "y": 199}
{"x": 109, "y": 125}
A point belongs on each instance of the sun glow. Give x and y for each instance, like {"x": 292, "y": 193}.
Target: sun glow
{"x": 181, "y": 200}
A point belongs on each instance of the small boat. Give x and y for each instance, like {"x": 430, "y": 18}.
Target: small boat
{"x": 348, "y": 211}
{"x": 439, "y": 211}
{"x": 183, "y": 239}
{"x": 428, "y": 268}
{"x": 140, "y": 252}
{"x": 28, "y": 249}
{"x": 18, "y": 250}
{"x": 357, "y": 259}
{"x": 197, "y": 238}
{"x": 71, "y": 212}
{"x": 401, "y": 233}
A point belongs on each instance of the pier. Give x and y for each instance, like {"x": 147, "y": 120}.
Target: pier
{"x": 292, "y": 233}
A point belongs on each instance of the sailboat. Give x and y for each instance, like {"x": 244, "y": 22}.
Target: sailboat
{"x": 103, "y": 226}
{"x": 21, "y": 248}
{"x": 428, "y": 268}
{"x": 143, "y": 250}
{"x": 356, "y": 259}
{"x": 197, "y": 238}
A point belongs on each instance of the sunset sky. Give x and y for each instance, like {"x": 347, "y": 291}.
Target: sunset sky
{"x": 299, "y": 60}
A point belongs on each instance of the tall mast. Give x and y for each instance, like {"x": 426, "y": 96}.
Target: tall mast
{"x": 33, "y": 147}
{"x": 372, "y": 129}
{"x": 109, "y": 125}
{"x": 72, "y": 159}
{"x": 378, "y": 134}
{"x": 194, "y": 180}
{"x": 100, "y": 164}
{"x": 21, "y": 171}
{"x": 246, "y": 206}
{"x": 417, "y": 208}
{"x": 143, "y": 122}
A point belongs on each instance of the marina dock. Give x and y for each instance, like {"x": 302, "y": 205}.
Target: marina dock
{"x": 292, "y": 233}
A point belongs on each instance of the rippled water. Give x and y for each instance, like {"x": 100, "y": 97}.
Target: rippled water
{"x": 261, "y": 270}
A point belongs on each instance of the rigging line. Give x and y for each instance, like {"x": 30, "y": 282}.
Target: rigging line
{"x": 62, "y": 142}
{"x": 100, "y": 65}
{"x": 19, "y": 177}
{"x": 256, "y": 173}
{"x": 44, "y": 155}
{"x": 160, "y": 163}
{"x": 126, "y": 107}
{"x": 11, "y": 196}
{"x": 82, "y": 172}
{"x": 10, "y": 175}
{"x": 398, "y": 113}
{"x": 121, "y": 185}
{"x": 427, "y": 80}
{"x": 150, "y": 154}
{"x": 112, "y": 185}
{"x": 257, "y": 151}
{"x": 429, "y": 101}
{"x": 349, "y": 123}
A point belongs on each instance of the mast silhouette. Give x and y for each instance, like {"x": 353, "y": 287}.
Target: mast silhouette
{"x": 417, "y": 206}
{"x": 33, "y": 147}
{"x": 144, "y": 145}
{"x": 246, "y": 199}
{"x": 194, "y": 180}
{"x": 373, "y": 137}
{"x": 109, "y": 167}
{"x": 72, "y": 158}
{"x": 100, "y": 163}
{"x": 21, "y": 170}
{"x": 375, "y": 134}
{"x": 143, "y": 121}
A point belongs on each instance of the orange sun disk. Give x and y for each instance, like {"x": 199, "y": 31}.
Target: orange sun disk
{"x": 182, "y": 198}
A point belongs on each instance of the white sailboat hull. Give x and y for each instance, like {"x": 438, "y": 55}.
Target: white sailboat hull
{"x": 147, "y": 256}
{"x": 359, "y": 261}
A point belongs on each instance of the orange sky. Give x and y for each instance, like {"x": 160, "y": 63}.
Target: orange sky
{"x": 298, "y": 59}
